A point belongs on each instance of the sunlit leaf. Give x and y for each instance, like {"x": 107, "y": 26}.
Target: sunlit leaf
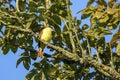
{"x": 85, "y": 26}
{"x": 111, "y": 3}
{"x": 117, "y": 6}
{"x": 104, "y": 19}
{"x": 29, "y": 22}
{"x": 110, "y": 11}
{"x": 115, "y": 37}
{"x": 20, "y": 35}
{"x": 118, "y": 49}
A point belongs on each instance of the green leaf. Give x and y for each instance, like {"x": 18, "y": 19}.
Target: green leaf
{"x": 56, "y": 19}
{"x": 117, "y": 6}
{"x": 100, "y": 50}
{"x": 37, "y": 65}
{"x": 20, "y": 5}
{"x": 24, "y": 54}
{"x": 26, "y": 64}
{"x": 52, "y": 71}
{"x": 85, "y": 26}
{"x": 112, "y": 25}
{"x": 38, "y": 76}
{"x": 33, "y": 55}
{"x": 102, "y": 3}
{"x": 41, "y": 9}
{"x": 43, "y": 76}
{"x": 31, "y": 74}
{"x": 57, "y": 30}
{"x": 87, "y": 12}
{"x": 33, "y": 78}
{"x": 93, "y": 21}
{"x": 5, "y": 49}
{"x": 118, "y": 49}
{"x": 19, "y": 61}
{"x": 90, "y": 2}
{"x": 107, "y": 32}
{"x": 66, "y": 39}
{"x": 49, "y": 69}
{"x": 21, "y": 35}
{"x": 1, "y": 42}
{"x": 29, "y": 22}
{"x": 98, "y": 15}
{"x": 111, "y": 3}
{"x": 110, "y": 11}
{"x": 32, "y": 5}
{"x": 14, "y": 49}
{"x": 104, "y": 19}
{"x": 115, "y": 37}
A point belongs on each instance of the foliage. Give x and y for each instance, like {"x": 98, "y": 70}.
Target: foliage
{"x": 20, "y": 23}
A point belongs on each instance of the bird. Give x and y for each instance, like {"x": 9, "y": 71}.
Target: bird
{"x": 44, "y": 35}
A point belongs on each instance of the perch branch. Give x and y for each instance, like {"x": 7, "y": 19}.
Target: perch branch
{"x": 90, "y": 60}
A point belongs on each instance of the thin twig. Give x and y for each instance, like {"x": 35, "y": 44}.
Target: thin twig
{"x": 88, "y": 47}
{"x": 83, "y": 53}
{"x": 111, "y": 62}
{"x": 70, "y": 26}
{"x": 98, "y": 57}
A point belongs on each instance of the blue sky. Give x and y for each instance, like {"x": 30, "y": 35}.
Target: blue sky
{"x": 8, "y": 70}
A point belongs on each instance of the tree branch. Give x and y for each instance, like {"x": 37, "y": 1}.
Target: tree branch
{"x": 101, "y": 67}
{"x": 106, "y": 70}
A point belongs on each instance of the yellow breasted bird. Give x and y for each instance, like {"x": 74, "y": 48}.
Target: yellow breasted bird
{"x": 45, "y": 35}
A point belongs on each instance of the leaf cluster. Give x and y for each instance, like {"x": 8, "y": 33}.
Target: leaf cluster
{"x": 19, "y": 23}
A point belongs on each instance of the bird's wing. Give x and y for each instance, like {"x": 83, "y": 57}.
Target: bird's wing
{"x": 41, "y": 31}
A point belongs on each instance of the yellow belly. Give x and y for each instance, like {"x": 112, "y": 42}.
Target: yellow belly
{"x": 46, "y": 35}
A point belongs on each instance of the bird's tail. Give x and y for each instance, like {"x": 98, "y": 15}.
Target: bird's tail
{"x": 40, "y": 52}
